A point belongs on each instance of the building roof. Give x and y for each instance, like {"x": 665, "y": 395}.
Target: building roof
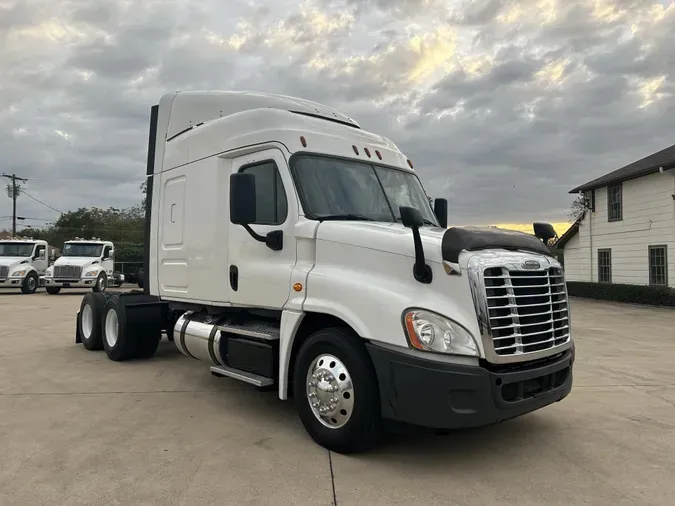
{"x": 571, "y": 232}
{"x": 648, "y": 165}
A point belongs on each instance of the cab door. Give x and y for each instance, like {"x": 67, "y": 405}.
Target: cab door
{"x": 40, "y": 259}
{"x": 259, "y": 276}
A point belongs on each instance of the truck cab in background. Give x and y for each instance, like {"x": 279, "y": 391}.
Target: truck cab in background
{"x": 286, "y": 247}
{"x": 84, "y": 263}
{"x": 22, "y": 263}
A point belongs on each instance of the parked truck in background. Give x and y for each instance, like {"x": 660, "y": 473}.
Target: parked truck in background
{"x": 84, "y": 263}
{"x": 287, "y": 247}
{"x": 23, "y": 260}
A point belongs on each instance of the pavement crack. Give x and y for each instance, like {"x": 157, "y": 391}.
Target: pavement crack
{"x": 332, "y": 476}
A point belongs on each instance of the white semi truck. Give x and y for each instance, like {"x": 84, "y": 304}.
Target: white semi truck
{"x": 23, "y": 260}
{"x": 84, "y": 263}
{"x": 287, "y": 247}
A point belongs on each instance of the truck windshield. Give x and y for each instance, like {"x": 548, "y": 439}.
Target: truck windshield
{"x": 12, "y": 249}
{"x": 81, "y": 250}
{"x": 345, "y": 189}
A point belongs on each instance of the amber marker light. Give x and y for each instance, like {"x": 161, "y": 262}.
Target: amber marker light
{"x": 297, "y": 287}
{"x": 412, "y": 335}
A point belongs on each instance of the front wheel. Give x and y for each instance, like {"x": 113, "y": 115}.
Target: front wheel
{"x": 53, "y": 290}
{"x": 30, "y": 283}
{"x": 336, "y": 391}
{"x": 101, "y": 283}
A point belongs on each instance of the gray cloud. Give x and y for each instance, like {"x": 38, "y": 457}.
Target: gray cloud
{"x": 502, "y": 105}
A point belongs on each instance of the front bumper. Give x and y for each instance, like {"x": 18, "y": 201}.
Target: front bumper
{"x": 440, "y": 395}
{"x": 11, "y": 282}
{"x": 70, "y": 283}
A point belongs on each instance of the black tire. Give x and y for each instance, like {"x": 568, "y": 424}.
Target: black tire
{"x": 138, "y": 341}
{"x": 101, "y": 283}
{"x": 30, "y": 283}
{"x": 118, "y": 344}
{"x": 53, "y": 290}
{"x": 364, "y": 427}
{"x": 91, "y": 325}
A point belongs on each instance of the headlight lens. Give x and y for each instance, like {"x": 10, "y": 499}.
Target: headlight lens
{"x": 428, "y": 331}
{"x": 19, "y": 273}
{"x": 91, "y": 274}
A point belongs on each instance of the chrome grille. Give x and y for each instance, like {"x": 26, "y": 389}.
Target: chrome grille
{"x": 527, "y": 310}
{"x": 67, "y": 271}
{"x": 4, "y": 271}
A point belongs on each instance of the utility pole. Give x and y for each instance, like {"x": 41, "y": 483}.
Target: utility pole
{"x": 13, "y": 191}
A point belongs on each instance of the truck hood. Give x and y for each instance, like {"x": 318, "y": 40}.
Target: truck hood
{"x": 387, "y": 237}
{"x": 77, "y": 261}
{"x": 439, "y": 244}
{"x": 9, "y": 261}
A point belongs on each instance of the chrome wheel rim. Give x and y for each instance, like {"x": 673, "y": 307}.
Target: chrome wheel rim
{"x": 87, "y": 321}
{"x": 101, "y": 282}
{"x": 330, "y": 391}
{"x": 31, "y": 283}
{"x": 111, "y": 328}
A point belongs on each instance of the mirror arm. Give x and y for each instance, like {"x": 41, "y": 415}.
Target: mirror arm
{"x": 273, "y": 240}
{"x": 421, "y": 270}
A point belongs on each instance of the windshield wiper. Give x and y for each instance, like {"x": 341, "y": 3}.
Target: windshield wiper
{"x": 349, "y": 216}
{"x": 426, "y": 222}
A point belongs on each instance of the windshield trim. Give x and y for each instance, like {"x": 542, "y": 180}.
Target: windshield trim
{"x": 371, "y": 163}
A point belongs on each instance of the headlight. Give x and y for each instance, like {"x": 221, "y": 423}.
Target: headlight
{"x": 431, "y": 332}
{"x": 91, "y": 274}
{"x": 48, "y": 273}
{"x": 18, "y": 273}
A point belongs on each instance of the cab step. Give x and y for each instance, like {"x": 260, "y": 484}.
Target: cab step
{"x": 255, "y": 329}
{"x": 238, "y": 374}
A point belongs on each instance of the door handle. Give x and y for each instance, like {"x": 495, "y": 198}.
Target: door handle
{"x": 234, "y": 277}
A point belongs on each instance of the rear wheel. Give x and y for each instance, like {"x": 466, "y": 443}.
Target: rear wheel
{"x": 30, "y": 283}
{"x": 117, "y": 343}
{"x": 53, "y": 290}
{"x": 336, "y": 391}
{"x": 122, "y": 341}
{"x": 91, "y": 313}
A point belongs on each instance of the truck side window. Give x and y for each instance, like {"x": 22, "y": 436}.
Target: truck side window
{"x": 40, "y": 252}
{"x": 270, "y": 196}
{"x": 106, "y": 252}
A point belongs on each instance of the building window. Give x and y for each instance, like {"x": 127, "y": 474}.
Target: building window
{"x": 658, "y": 265}
{"x": 605, "y": 265}
{"x": 614, "y": 203}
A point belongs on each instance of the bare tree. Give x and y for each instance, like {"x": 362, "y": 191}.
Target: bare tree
{"x": 579, "y": 207}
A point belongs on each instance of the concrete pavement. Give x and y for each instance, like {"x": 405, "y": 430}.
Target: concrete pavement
{"x": 76, "y": 428}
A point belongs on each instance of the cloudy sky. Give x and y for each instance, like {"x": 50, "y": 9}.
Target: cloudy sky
{"x": 503, "y": 105}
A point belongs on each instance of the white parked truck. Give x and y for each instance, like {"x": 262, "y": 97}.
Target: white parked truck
{"x": 84, "y": 263}
{"x": 23, "y": 260}
{"x": 287, "y": 247}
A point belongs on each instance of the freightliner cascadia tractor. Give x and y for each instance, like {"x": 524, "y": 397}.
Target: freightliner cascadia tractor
{"x": 288, "y": 248}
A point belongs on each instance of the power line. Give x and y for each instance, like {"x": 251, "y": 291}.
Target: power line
{"x": 40, "y": 202}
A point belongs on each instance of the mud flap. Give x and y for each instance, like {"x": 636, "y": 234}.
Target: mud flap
{"x": 78, "y": 336}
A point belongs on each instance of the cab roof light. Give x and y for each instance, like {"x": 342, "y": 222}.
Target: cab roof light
{"x": 303, "y": 141}
{"x": 356, "y": 150}
{"x": 379, "y": 155}
{"x": 410, "y": 164}
{"x": 367, "y": 152}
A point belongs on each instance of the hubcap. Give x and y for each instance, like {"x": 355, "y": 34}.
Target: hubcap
{"x": 330, "y": 391}
{"x": 31, "y": 283}
{"x": 87, "y": 321}
{"x": 111, "y": 328}
{"x": 100, "y": 282}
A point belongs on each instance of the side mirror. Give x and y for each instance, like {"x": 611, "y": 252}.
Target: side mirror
{"x": 441, "y": 212}
{"x": 411, "y": 217}
{"x": 242, "y": 199}
{"x": 544, "y": 231}
{"x": 41, "y": 255}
